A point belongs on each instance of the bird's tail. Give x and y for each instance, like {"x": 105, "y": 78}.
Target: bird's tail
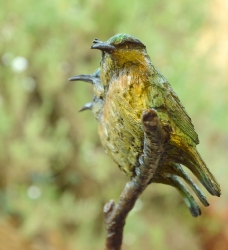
{"x": 189, "y": 157}
{"x": 196, "y": 164}
{"x": 173, "y": 180}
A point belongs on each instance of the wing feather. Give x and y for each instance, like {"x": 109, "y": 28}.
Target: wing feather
{"x": 175, "y": 109}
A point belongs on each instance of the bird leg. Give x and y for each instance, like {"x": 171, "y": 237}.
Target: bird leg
{"x": 115, "y": 214}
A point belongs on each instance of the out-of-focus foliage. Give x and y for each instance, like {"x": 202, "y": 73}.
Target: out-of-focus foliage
{"x": 54, "y": 175}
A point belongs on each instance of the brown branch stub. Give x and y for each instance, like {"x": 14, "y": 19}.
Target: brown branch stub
{"x": 115, "y": 214}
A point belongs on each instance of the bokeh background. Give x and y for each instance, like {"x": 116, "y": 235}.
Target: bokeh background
{"x": 54, "y": 175}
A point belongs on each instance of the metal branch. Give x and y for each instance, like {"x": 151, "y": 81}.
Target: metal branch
{"x": 115, "y": 214}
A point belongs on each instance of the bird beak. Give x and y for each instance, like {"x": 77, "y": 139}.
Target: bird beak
{"x": 84, "y": 78}
{"x": 87, "y": 106}
{"x": 97, "y": 44}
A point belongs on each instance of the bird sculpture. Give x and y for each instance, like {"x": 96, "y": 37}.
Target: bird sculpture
{"x": 126, "y": 84}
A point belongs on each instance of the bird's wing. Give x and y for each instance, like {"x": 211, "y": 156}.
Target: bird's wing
{"x": 174, "y": 108}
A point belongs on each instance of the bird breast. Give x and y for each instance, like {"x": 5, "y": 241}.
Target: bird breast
{"x": 120, "y": 127}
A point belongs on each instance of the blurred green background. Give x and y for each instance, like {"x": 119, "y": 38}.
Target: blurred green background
{"x": 54, "y": 175}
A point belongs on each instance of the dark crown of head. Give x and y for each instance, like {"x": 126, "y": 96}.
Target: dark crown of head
{"x": 120, "y": 39}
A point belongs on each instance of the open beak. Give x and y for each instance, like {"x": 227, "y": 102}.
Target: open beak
{"x": 91, "y": 78}
{"x": 97, "y": 44}
{"x": 84, "y": 78}
{"x": 87, "y": 106}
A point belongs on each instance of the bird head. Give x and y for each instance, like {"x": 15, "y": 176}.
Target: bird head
{"x": 121, "y": 52}
{"x": 122, "y": 49}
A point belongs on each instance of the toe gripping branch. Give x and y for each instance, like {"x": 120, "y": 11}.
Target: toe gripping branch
{"x": 115, "y": 214}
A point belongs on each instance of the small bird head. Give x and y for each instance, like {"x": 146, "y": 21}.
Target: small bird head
{"x": 122, "y": 49}
{"x": 119, "y": 53}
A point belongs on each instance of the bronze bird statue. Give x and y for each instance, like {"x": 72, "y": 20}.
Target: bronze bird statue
{"x": 126, "y": 84}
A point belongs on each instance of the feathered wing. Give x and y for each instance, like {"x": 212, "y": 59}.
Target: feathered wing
{"x": 174, "y": 108}
{"x": 184, "y": 138}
